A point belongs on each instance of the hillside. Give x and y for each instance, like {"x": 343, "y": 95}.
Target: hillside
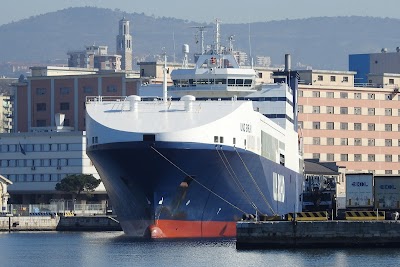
{"x": 322, "y": 42}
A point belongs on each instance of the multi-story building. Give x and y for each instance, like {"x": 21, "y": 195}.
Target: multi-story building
{"x": 36, "y": 161}
{"x": 263, "y": 61}
{"x": 374, "y": 63}
{"x": 94, "y": 57}
{"x": 353, "y": 125}
{"x": 52, "y": 90}
{"x": 6, "y": 113}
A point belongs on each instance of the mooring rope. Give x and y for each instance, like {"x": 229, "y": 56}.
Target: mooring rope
{"x": 205, "y": 187}
{"x": 255, "y": 183}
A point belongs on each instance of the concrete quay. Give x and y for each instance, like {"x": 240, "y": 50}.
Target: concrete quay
{"x": 309, "y": 234}
{"x": 57, "y": 223}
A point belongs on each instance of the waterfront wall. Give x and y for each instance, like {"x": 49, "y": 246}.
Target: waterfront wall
{"x": 317, "y": 234}
{"x": 56, "y": 223}
{"x": 29, "y": 223}
{"x": 88, "y": 223}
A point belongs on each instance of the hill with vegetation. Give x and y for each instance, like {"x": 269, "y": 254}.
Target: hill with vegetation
{"x": 321, "y": 42}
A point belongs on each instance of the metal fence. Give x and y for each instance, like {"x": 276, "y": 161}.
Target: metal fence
{"x": 60, "y": 208}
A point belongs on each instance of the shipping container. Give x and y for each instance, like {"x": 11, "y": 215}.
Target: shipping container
{"x": 387, "y": 192}
{"x": 359, "y": 190}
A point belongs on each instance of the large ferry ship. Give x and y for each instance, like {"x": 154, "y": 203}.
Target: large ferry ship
{"x": 214, "y": 148}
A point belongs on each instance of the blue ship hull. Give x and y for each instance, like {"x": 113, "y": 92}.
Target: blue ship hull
{"x": 171, "y": 190}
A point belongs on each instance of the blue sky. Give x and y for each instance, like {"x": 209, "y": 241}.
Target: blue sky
{"x": 228, "y": 11}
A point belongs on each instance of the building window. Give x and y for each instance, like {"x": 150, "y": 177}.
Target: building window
{"x": 111, "y": 88}
{"x": 388, "y": 158}
{"x": 330, "y": 157}
{"x": 371, "y": 142}
{"x": 344, "y": 126}
{"x": 357, "y": 111}
{"x": 357, "y": 141}
{"x": 333, "y": 78}
{"x": 371, "y": 96}
{"x": 343, "y": 95}
{"x": 388, "y": 96}
{"x": 300, "y": 108}
{"x": 388, "y": 112}
{"x": 316, "y": 94}
{"x": 357, "y": 126}
{"x": 330, "y": 141}
{"x": 66, "y": 122}
{"x": 398, "y": 112}
{"x": 320, "y": 78}
{"x": 40, "y": 123}
{"x": 371, "y": 111}
{"x": 330, "y": 95}
{"x": 344, "y": 141}
{"x": 345, "y": 79}
{"x": 371, "y": 157}
{"x": 64, "y": 90}
{"x": 300, "y": 125}
{"x": 316, "y": 141}
{"x": 388, "y": 171}
{"x": 330, "y": 126}
{"x": 64, "y": 106}
{"x": 40, "y": 91}
{"x": 343, "y": 110}
{"x": 344, "y": 157}
{"x": 330, "y": 110}
{"x": 391, "y": 81}
{"x": 316, "y": 109}
{"x": 216, "y": 139}
{"x": 300, "y": 92}
{"x": 388, "y": 127}
{"x": 357, "y": 95}
{"x": 41, "y": 107}
{"x": 357, "y": 157}
{"x": 316, "y": 155}
{"x": 388, "y": 142}
{"x": 87, "y": 89}
{"x": 371, "y": 126}
{"x": 316, "y": 125}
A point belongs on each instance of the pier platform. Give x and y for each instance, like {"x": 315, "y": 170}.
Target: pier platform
{"x": 308, "y": 234}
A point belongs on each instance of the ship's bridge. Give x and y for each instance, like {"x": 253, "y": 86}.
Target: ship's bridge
{"x": 214, "y": 73}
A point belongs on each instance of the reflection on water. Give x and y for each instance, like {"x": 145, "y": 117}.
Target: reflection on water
{"x": 116, "y": 249}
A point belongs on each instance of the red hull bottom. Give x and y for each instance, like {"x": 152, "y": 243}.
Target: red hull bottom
{"x": 192, "y": 229}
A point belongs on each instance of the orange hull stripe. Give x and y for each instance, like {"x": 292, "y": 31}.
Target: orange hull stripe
{"x": 181, "y": 229}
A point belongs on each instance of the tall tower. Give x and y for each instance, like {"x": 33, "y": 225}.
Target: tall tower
{"x": 124, "y": 44}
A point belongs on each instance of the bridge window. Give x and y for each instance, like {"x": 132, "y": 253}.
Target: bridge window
{"x": 247, "y": 82}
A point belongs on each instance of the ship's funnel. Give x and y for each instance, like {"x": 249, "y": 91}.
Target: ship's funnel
{"x": 288, "y": 62}
{"x": 59, "y": 119}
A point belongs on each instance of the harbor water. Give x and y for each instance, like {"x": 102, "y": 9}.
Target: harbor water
{"x": 115, "y": 249}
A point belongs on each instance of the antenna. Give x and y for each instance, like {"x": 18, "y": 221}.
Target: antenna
{"x": 250, "y": 46}
{"x": 201, "y": 29}
{"x": 217, "y": 37}
{"x": 165, "y": 70}
{"x": 173, "y": 39}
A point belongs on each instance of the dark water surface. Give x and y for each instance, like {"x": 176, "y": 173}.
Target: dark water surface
{"x": 115, "y": 249}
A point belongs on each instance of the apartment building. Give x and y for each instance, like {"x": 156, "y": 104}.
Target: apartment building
{"x": 52, "y": 90}
{"x": 356, "y": 125}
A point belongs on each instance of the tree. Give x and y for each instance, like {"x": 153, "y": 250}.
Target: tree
{"x": 78, "y": 183}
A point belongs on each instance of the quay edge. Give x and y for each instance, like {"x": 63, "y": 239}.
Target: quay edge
{"x": 56, "y": 223}
{"x": 317, "y": 234}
